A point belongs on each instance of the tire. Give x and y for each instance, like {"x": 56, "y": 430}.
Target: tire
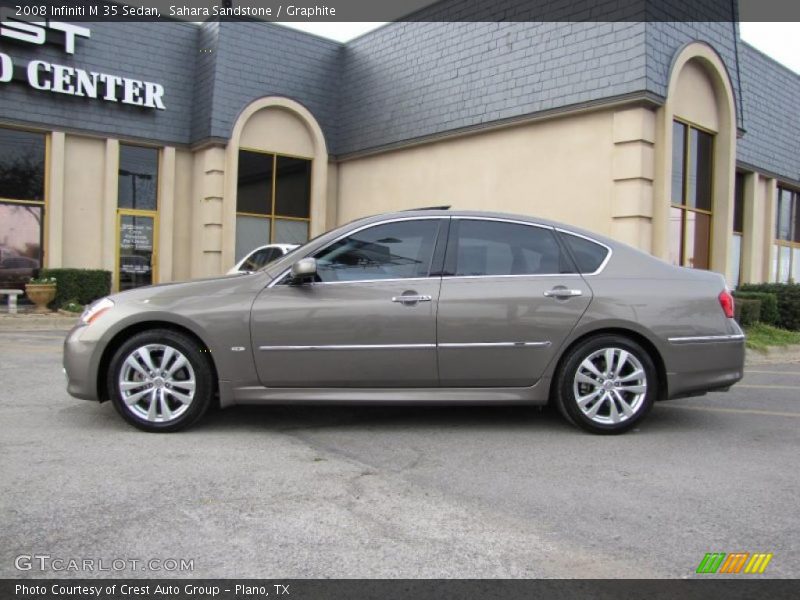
{"x": 593, "y": 398}
{"x": 161, "y": 381}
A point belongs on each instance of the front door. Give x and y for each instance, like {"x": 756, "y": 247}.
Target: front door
{"x": 136, "y": 251}
{"x": 369, "y": 320}
{"x": 508, "y": 300}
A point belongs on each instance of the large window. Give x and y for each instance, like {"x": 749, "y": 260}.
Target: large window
{"x": 22, "y": 157}
{"x": 786, "y": 265}
{"x": 273, "y": 201}
{"x": 138, "y": 177}
{"x": 738, "y": 229}
{"x": 690, "y": 214}
{"x": 137, "y": 203}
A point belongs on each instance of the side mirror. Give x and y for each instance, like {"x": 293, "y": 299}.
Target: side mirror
{"x": 304, "y": 270}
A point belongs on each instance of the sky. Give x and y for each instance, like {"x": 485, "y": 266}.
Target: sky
{"x": 781, "y": 41}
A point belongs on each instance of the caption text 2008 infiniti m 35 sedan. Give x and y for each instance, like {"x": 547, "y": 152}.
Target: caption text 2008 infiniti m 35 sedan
{"x": 425, "y": 306}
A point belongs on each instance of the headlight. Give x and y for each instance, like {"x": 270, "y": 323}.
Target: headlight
{"x": 95, "y": 309}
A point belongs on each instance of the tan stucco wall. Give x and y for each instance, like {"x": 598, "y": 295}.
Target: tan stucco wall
{"x": 695, "y": 100}
{"x": 559, "y": 169}
{"x": 277, "y": 130}
{"x": 182, "y": 216}
{"x": 84, "y": 160}
{"x": 759, "y": 227}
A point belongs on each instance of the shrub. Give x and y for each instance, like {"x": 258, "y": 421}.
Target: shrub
{"x": 769, "y": 305}
{"x": 72, "y": 306}
{"x": 79, "y": 285}
{"x": 748, "y": 312}
{"x": 788, "y": 295}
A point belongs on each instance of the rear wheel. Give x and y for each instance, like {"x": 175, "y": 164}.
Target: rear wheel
{"x": 160, "y": 381}
{"x": 606, "y": 384}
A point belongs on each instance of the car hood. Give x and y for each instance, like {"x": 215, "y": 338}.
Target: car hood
{"x": 239, "y": 283}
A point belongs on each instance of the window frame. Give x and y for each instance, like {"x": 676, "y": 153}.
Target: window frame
{"x": 684, "y": 207}
{"x": 445, "y": 238}
{"x": 601, "y": 267}
{"x": 791, "y": 244}
{"x": 452, "y": 248}
{"x": 270, "y": 214}
{"x": 44, "y": 224}
{"x": 159, "y": 157}
{"x": 433, "y": 272}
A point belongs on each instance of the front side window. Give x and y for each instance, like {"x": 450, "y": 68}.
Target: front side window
{"x": 273, "y": 201}
{"x": 786, "y": 267}
{"x": 691, "y": 214}
{"x": 22, "y": 158}
{"x": 491, "y": 248}
{"x": 398, "y": 250}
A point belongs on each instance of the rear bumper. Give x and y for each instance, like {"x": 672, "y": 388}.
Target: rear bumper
{"x": 704, "y": 363}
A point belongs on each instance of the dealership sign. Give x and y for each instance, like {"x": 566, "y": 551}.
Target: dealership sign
{"x": 72, "y": 81}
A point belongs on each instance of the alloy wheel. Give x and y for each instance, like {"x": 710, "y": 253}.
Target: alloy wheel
{"x": 157, "y": 383}
{"x": 610, "y": 386}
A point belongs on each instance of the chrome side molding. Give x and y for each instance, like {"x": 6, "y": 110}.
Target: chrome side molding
{"x": 706, "y": 339}
{"x": 544, "y": 344}
{"x": 496, "y": 345}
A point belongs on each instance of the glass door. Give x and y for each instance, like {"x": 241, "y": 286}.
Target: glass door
{"x": 136, "y": 249}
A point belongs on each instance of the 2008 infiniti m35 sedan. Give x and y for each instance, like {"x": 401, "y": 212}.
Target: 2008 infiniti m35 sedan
{"x": 424, "y": 306}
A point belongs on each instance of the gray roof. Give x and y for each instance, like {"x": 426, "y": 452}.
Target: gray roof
{"x": 771, "y": 98}
{"x": 404, "y": 82}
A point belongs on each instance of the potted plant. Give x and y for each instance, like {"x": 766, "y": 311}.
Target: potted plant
{"x": 41, "y": 291}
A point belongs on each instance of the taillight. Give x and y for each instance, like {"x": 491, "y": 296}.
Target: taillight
{"x": 726, "y": 302}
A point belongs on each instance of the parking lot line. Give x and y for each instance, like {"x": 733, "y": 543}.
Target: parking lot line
{"x": 746, "y": 411}
{"x": 748, "y": 371}
{"x": 766, "y": 386}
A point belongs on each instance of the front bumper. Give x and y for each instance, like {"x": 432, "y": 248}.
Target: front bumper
{"x": 80, "y": 364}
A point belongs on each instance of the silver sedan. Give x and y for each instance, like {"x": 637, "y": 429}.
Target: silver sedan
{"x": 418, "y": 307}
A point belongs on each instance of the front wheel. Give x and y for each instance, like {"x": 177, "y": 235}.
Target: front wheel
{"x": 607, "y": 384}
{"x": 160, "y": 381}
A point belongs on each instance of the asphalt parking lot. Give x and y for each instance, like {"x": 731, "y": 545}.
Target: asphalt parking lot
{"x": 307, "y": 492}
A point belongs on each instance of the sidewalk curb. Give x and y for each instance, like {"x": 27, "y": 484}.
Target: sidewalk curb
{"x": 34, "y": 322}
{"x": 774, "y": 354}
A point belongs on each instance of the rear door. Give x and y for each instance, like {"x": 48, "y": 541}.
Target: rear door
{"x": 510, "y": 295}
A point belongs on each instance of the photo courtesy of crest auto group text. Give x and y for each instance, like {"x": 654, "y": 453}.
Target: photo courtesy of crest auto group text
{"x": 366, "y": 300}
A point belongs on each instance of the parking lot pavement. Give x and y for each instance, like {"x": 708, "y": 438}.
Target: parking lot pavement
{"x": 396, "y": 492}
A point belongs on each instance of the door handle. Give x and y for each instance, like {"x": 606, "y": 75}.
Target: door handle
{"x": 411, "y": 299}
{"x": 562, "y": 292}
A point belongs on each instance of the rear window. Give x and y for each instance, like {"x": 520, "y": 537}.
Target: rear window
{"x": 588, "y": 255}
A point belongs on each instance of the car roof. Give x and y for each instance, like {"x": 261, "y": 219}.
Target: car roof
{"x": 436, "y": 212}
{"x": 273, "y": 246}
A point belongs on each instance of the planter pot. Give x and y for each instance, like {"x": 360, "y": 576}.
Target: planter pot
{"x": 41, "y": 294}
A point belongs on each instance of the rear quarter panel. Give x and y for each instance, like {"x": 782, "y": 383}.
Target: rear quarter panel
{"x": 639, "y": 293}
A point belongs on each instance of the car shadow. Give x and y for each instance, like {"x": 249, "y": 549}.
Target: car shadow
{"x": 305, "y": 417}
{"x": 288, "y": 418}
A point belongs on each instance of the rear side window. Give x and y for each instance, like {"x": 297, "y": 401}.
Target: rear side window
{"x": 588, "y": 255}
{"x": 487, "y": 248}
